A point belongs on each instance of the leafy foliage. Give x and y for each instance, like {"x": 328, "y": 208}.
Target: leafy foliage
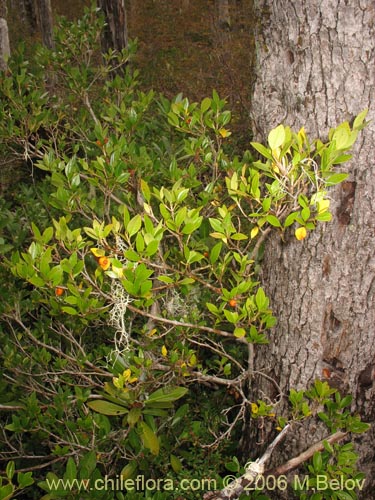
{"x": 135, "y": 303}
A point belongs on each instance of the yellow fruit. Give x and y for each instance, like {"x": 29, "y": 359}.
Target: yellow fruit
{"x": 300, "y": 233}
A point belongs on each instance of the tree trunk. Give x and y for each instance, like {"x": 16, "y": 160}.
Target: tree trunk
{"x": 4, "y": 37}
{"x": 223, "y": 15}
{"x": 45, "y": 21}
{"x": 316, "y": 68}
{"x": 28, "y": 12}
{"x": 115, "y": 33}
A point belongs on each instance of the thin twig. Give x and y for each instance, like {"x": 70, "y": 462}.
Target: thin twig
{"x": 186, "y": 325}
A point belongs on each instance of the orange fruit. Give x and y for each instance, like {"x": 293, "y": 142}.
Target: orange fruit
{"x": 233, "y": 302}
{"x": 59, "y": 291}
{"x": 104, "y": 262}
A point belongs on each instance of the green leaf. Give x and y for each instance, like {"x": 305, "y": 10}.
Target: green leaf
{"x": 87, "y": 465}
{"x": 192, "y": 226}
{"x": 149, "y": 438}
{"x": 24, "y": 479}
{"x": 37, "y": 281}
{"x": 358, "y": 123}
{"x": 261, "y": 299}
{"x": 266, "y": 204}
{"x": 239, "y": 332}
{"x": 305, "y": 213}
{"x": 216, "y": 225}
{"x": 69, "y": 310}
{"x": 107, "y": 408}
{"x": 262, "y": 150}
{"x": 316, "y": 496}
{"x": 358, "y": 427}
{"x": 344, "y": 495}
{"x": 6, "y": 492}
{"x": 71, "y": 469}
{"x": 317, "y": 461}
{"x": 186, "y": 281}
{"x": 129, "y": 470}
{"x": 205, "y": 104}
{"x": 131, "y": 255}
{"x": 303, "y": 201}
{"x": 166, "y": 395}
{"x": 343, "y": 137}
{"x": 165, "y": 279}
{"x": 336, "y": 178}
{"x": 152, "y": 248}
{"x": 231, "y": 316}
{"x": 276, "y": 137}
{"x": 145, "y": 190}
{"x": 176, "y": 463}
{"x": 134, "y": 225}
{"x": 273, "y": 220}
{"x": 328, "y": 447}
{"x": 157, "y": 412}
{"x": 47, "y": 235}
{"x": 139, "y": 242}
{"x": 133, "y": 416}
{"x": 238, "y": 237}
{"x": 55, "y": 275}
{"x": 173, "y": 119}
{"x": 215, "y": 252}
{"x": 10, "y": 468}
{"x": 212, "y": 308}
{"x": 290, "y": 219}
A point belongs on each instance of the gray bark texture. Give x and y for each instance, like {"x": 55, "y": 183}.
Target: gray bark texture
{"x": 45, "y": 21}
{"x": 316, "y": 68}
{"x": 115, "y": 33}
{"x": 4, "y": 44}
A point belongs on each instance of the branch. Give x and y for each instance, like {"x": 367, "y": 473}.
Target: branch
{"x": 185, "y": 325}
{"x": 253, "y": 471}
{"x": 42, "y": 466}
{"x": 91, "y": 111}
{"x": 11, "y": 407}
{"x": 293, "y": 463}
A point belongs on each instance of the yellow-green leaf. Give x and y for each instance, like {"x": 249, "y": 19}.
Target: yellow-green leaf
{"x": 106, "y": 407}
{"x": 134, "y": 225}
{"x": 276, "y": 137}
{"x": 133, "y": 416}
{"x": 254, "y": 232}
{"x": 239, "y": 332}
{"x": 149, "y": 438}
{"x": 129, "y": 470}
{"x": 145, "y": 190}
{"x": 176, "y": 463}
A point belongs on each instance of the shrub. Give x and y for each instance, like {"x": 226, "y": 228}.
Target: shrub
{"x": 129, "y": 327}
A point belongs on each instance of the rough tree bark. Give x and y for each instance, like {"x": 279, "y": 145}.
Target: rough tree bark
{"x": 223, "y": 14}
{"x": 316, "y": 68}
{"x": 28, "y": 12}
{"x": 4, "y": 44}
{"x": 115, "y": 33}
{"x": 4, "y": 37}
{"x": 45, "y": 21}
